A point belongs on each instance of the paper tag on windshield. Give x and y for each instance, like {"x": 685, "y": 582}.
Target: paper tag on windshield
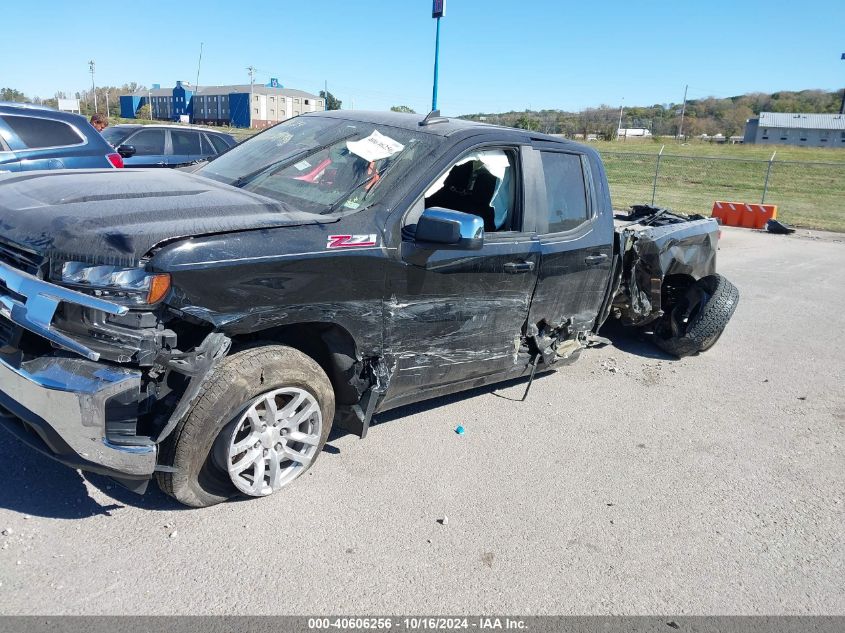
{"x": 303, "y": 164}
{"x": 375, "y": 147}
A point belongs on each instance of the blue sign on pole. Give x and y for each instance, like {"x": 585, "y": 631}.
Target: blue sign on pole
{"x": 438, "y": 8}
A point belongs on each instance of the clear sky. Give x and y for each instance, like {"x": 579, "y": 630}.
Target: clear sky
{"x": 496, "y": 55}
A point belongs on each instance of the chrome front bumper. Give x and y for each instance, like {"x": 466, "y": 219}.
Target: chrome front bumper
{"x": 66, "y": 401}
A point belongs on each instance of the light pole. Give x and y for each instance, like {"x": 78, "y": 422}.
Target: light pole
{"x": 93, "y": 89}
{"x": 438, "y": 10}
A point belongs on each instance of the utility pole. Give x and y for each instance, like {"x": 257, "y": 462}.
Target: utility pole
{"x": 842, "y": 107}
{"x": 199, "y": 64}
{"x": 150, "y": 103}
{"x": 326, "y": 100}
{"x": 107, "y": 103}
{"x": 438, "y": 10}
{"x": 93, "y": 89}
{"x": 619, "y": 127}
{"x": 683, "y": 111}
{"x": 251, "y": 71}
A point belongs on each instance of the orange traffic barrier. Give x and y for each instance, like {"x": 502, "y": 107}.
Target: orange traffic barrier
{"x": 718, "y": 212}
{"x": 749, "y": 215}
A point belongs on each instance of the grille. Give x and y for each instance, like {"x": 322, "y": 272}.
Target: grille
{"x": 21, "y": 259}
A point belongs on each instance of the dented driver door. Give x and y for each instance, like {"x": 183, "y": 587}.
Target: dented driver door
{"x": 454, "y": 317}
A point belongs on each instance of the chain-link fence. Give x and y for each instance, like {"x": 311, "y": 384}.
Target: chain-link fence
{"x": 810, "y": 194}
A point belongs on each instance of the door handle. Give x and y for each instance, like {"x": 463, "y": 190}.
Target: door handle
{"x": 514, "y": 268}
{"x": 593, "y": 260}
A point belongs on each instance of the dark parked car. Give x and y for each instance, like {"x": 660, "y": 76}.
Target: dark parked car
{"x": 35, "y": 137}
{"x": 166, "y": 145}
{"x": 209, "y": 328}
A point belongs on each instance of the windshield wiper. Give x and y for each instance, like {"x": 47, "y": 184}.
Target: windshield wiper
{"x": 242, "y": 180}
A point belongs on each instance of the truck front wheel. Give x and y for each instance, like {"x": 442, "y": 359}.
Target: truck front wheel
{"x": 261, "y": 421}
{"x": 696, "y": 321}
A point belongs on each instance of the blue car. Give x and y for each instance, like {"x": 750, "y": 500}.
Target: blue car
{"x": 36, "y": 137}
{"x": 161, "y": 145}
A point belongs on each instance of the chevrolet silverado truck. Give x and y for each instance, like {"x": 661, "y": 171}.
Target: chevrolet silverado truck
{"x": 207, "y": 329}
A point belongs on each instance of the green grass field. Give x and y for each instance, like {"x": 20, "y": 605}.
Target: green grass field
{"x": 807, "y": 184}
{"x": 703, "y": 148}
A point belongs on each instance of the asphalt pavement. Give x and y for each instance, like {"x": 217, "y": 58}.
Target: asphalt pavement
{"x": 627, "y": 483}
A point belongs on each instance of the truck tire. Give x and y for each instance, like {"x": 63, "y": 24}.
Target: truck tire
{"x": 697, "y": 320}
{"x": 259, "y": 423}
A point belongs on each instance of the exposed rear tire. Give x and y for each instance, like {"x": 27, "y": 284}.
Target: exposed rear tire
{"x": 698, "y": 318}
{"x": 246, "y": 391}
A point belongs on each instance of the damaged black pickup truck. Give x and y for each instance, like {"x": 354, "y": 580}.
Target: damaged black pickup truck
{"x": 209, "y": 328}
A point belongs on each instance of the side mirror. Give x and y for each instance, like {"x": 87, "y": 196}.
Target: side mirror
{"x": 451, "y": 229}
{"x": 126, "y": 151}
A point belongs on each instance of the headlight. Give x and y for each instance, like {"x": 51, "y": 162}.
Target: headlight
{"x": 126, "y": 286}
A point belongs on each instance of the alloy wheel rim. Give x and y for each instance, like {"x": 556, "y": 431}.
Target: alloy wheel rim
{"x": 273, "y": 441}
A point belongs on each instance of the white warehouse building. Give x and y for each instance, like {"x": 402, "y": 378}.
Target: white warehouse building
{"x": 796, "y": 128}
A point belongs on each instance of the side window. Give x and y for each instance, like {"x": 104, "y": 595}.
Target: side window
{"x": 36, "y": 133}
{"x": 482, "y": 183}
{"x": 148, "y": 143}
{"x": 185, "y": 142}
{"x": 219, "y": 144}
{"x": 566, "y": 193}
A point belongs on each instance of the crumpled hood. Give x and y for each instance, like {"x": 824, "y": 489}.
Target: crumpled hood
{"x": 116, "y": 216}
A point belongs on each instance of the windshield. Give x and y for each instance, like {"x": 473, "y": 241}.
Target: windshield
{"x": 321, "y": 165}
{"x": 115, "y": 135}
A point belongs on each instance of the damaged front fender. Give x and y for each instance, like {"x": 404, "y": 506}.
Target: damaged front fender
{"x": 198, "y": 366}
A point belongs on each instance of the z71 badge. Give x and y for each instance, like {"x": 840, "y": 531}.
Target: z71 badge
{"x": 351, "y": 241}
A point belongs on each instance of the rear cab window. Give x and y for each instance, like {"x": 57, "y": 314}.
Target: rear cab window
{"x": 567, "y": 199}
{"x": 37, "y": 133}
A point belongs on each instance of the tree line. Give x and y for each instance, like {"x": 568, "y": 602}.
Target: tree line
{"x": 709, "y": 116}
{"x": 105, "y": 94}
